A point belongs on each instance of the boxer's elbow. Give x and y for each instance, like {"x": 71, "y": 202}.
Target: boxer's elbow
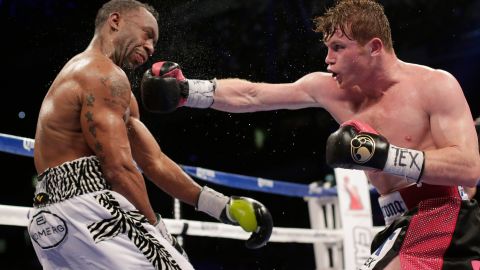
{"x": 471, "y": 182}
{"x": 472, "y": 174}
{"x": 156, "y": 166}
{"x": 112, "y": 176}
{"x": 120, "y": 175}
{"x": 476, "y": 175}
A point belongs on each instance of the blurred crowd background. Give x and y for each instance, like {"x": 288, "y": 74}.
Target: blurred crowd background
{"x": 259, "y": 40}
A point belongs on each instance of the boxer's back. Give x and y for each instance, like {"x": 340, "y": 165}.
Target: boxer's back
{"x": 59, "y": 135}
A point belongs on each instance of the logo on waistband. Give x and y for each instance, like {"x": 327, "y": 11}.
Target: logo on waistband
{"x": 47, "y": 229}
{"x": 462, "y": 193}
{"x": 362, "y": 148}
{"x": 41, "y": 199}
{"x": 394, "y": 208}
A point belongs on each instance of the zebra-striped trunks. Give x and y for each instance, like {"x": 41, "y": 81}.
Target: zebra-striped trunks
{"x": 77, "y": 222}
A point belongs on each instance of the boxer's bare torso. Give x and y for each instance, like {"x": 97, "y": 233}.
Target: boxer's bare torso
{"x": 59, "y": 136}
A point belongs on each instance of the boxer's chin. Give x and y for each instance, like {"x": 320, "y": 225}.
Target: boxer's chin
{"x": 128, "y": 66}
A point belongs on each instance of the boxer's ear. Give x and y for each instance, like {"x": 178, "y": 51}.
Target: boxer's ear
{"x": 114, "y": 21}
{"x": 375, "y": 46}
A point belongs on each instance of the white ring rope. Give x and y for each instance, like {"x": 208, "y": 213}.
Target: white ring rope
{"x": 17, "y": 216}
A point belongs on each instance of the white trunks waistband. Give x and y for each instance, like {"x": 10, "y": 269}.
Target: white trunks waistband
{"x": 70, "y": 179}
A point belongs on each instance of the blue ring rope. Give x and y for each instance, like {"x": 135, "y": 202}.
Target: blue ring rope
{"x": 258, "y": 184}
{"x": 24, "y": 147}
{"x": 16, "y": 145}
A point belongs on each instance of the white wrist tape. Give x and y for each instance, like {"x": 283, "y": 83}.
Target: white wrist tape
{"x": 405, "y": 162}
{"x": 212, "y": 202}
{"x": 200, "y": 93}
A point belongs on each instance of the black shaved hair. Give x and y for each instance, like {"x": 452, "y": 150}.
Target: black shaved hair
{"x": 121, "y": 6}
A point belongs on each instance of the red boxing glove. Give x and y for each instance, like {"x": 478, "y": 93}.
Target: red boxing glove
{"x": 168, "y": 69}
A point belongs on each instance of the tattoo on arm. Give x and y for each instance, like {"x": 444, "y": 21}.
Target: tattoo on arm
{"x": 104, "y": 81}
{"x": 99, "y": 147}
{"x": 118, "y": 91}
{"x": 91, "y": 127}
{"x": 117, "y": 87}
{"x": 89, "y": 116}
{"x": 93, "y": 130}
{"x": 90, "y": 99}
{"x": 119, "y": 96}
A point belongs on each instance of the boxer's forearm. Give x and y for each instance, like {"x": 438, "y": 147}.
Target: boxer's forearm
{"x": 236, "y": 95}
{"x": 169, "y": 177}
{"x": 128, "y": 181}
{"x": 451, "y": 166}
{"x": 158, "y": 167}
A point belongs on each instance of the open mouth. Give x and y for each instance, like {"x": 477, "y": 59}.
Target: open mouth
{"x": 140, "y": 58}
{"x": 334, "y": 75}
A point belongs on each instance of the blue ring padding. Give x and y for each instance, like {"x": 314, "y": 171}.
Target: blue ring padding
{"x": 16, "y": 145}
{"x": 258, "y": 184}
{"x": 24, "y": 147}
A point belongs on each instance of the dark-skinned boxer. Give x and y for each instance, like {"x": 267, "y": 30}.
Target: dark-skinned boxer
{"x": 91, "y": 207}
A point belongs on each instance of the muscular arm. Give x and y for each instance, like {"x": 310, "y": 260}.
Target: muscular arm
{"x": 158, "y": 167}
{"x": 456, "y": 160}
{"x": 105, "y": 101}
{"x": 236, "y": 95}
